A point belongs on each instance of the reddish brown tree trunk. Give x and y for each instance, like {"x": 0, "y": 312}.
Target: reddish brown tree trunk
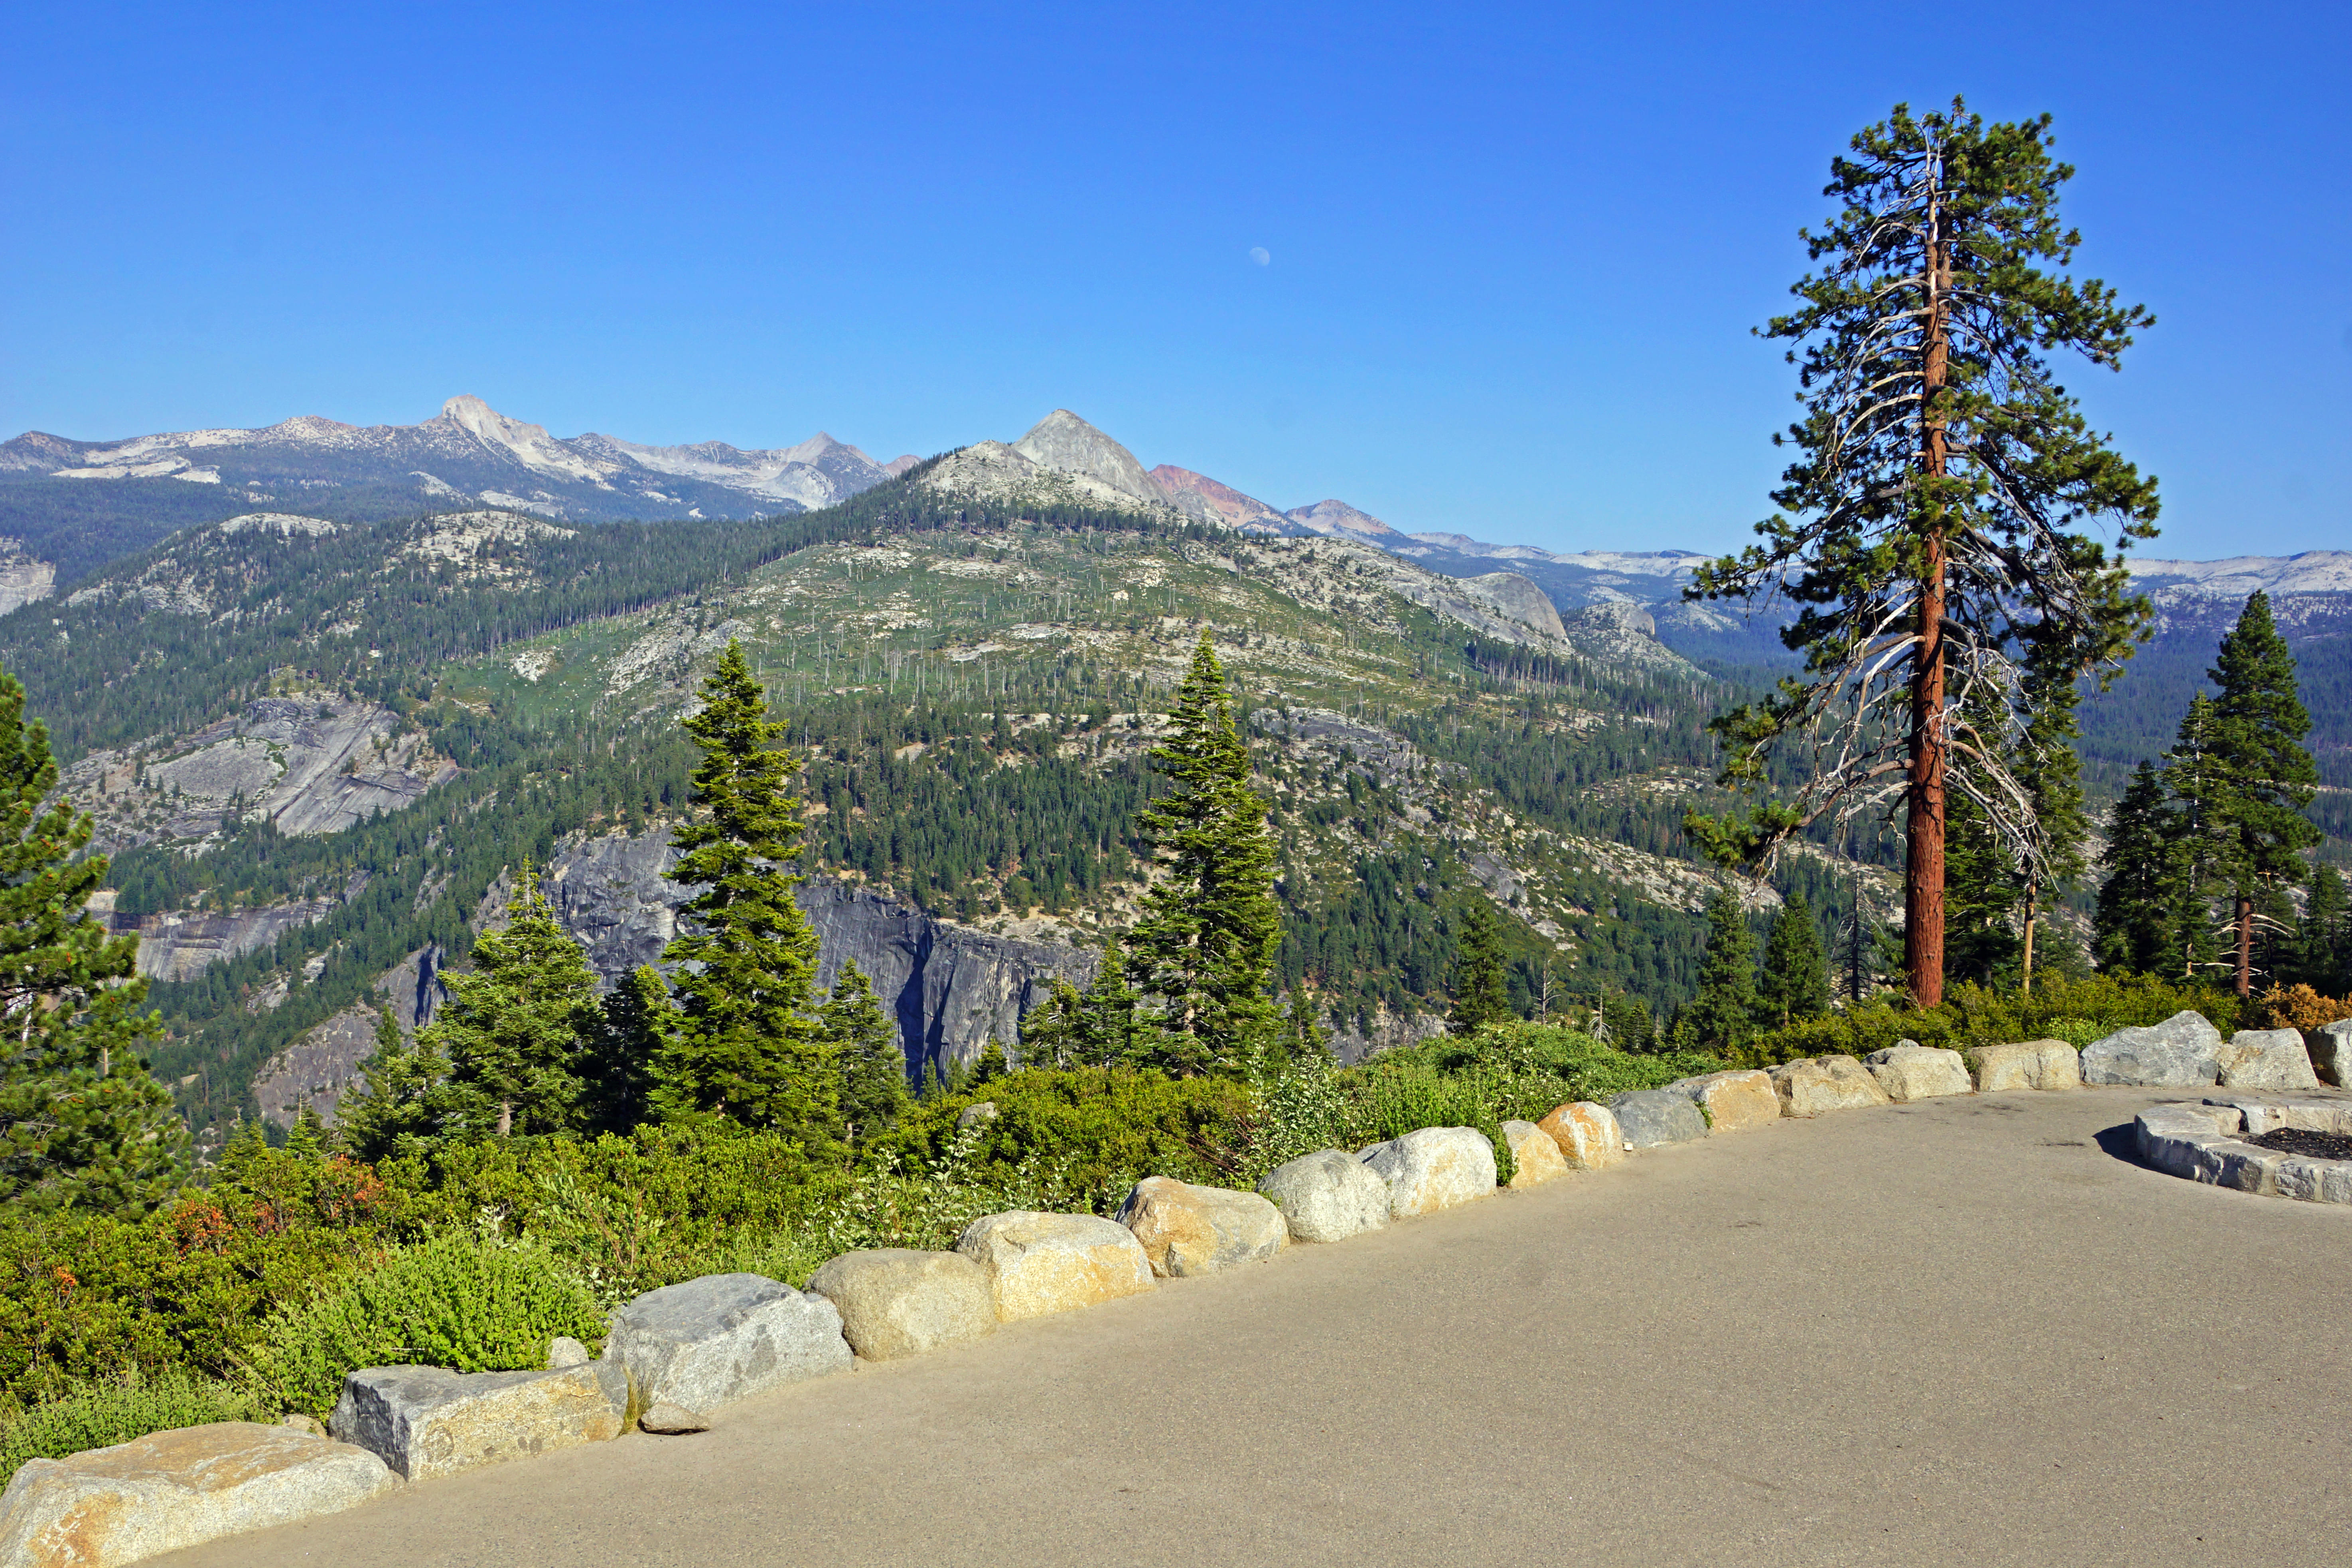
{"x": 1923, "y": 871}
{"x": 2245, "y": 944}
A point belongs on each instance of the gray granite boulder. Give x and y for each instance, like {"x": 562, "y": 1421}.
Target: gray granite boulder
{"x": 2331, "y": 1052}
{"x": 724, "y": 1337}
{"x": 1328, "y": 1195}
{"x": 896, "y": 1302}
{"x": 427, "y": 1421}
{"x": 2182, "y": 1051}
{"x": 2267, "y": 1059}
{"x": 105, "y": 1507}
{"x": 1909, "y": 1071}
{"x": 1433, "y": 1168}
{"x": 1649, "y": 1117}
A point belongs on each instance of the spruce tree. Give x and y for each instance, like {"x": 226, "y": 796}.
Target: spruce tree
{"x": 402, "y": 1102}
{"x": 1795, "y": 982}
{"x": 746, "y": 1044}
{"x": 2132, "y": 929}
{"x": 1478, "y": 992}
{"x": 2265, "y": 778}
{"x": 520, "y": 1028}
{"x": 1204, "y": 947}
{"x": 1925, "y": 528}
{"x": 83, "y": 1124}
{"x": 873, "y": 1058}
{"x": 1722, "y": 1017}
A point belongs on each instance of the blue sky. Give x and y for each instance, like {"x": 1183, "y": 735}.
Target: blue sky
{"x": 1514, "y": 252}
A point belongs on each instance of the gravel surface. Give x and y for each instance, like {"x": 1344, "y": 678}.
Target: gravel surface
{"x": 2311, "y": 1145}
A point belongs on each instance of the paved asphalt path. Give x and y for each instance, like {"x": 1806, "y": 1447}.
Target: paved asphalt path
{"x": 1971, "y": 1331}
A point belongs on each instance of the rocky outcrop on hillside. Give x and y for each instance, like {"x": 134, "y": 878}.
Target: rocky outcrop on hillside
{"x": 950, "y": 987}
{"x": 177, "y": 945}
{"x": 22, "y": 578}
{"x": 310, "y": 764}
{"x": 322, "y": 1066}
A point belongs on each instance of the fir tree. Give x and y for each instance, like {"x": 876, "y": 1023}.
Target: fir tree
{"x": 1111, "y": 1030}
{"x": 83, "y": 1124}
{"x": 1925, "y": 525}
{"x": 1480, "y": 997}
{"x": 2265, "y": 778}
{"x": 1050, "y": 1031}
{"x": 873, "y": 1058}
{"x": 307, "y": 1138}
{"x": 746, "y": 1044}
{"x": 991, "y": 1066}
{"x": 1204, "y": 947}
{"x": 518, "y": 1030}
{"x": 2199, "y": 823}
{"x": 2132, "y": 929}
{"x": 1795, "y": 982}
{"x": 628, "y": 1043}
{"x": 1722, "y": 1017}
{"x": 1303, "y": 1031}
{"x": 2050, "y": 772}
{"x": 403, "y": 1098}
{"x": 2324, "y": 935}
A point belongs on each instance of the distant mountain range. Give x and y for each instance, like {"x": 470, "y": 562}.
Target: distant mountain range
{"x": 71, "y": 505}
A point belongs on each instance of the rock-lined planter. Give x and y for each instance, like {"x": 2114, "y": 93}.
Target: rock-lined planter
{"x": 1040, "y": 1264}
{"x": 1910, "y": 1071}
{"x": 2182, "y": 1052}
{"x": 1734, "y": 1101}
{"x": 894, "y": 1301}
{"x": 2029, "y": 1064}
{"x": 425, "y": 1421}
{"x": 2267, "y": 1059}
{"x": 1432, "y": 1169}
{"x": 106, "y": 1507}
{"x": 722, "y": 1338}
{"x": 1819, "y": 1085}
{"x": 1587, "y": 1135}
{"x": 1534, "y": 1158}
{"x": 1650, "y": 1117}
{"x": 2206, "y": 1143}
{"x": 1186, "y": 1230}
{"x": 1328, "y": 1195}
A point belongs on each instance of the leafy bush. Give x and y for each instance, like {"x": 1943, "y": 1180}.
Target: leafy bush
{"x": 100, "y": 1415}
{"x": 1089, "y": 1133}
{"x": 468, "y": 1302}
{"x": 2076, "y": 1009}
{"x": 2298, "y": 1007}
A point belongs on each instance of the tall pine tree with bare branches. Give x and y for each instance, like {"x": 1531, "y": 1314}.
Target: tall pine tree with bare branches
{"x": 1929, "y": 529}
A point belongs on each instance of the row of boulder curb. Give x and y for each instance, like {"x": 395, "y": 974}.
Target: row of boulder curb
{"x": 2204, "y": 1141}
{"x": 676, "y": 1353}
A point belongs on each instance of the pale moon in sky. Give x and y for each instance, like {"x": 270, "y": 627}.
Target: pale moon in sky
{"x": 1259, "y": 254}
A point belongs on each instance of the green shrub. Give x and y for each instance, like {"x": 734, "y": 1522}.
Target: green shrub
{"x": 100, "y": 1415}
{"x": 471, "y": 1303}
{"x": 2077, "y": 1009}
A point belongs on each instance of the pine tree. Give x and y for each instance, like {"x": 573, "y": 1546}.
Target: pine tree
{"x": 1479, "y": 998}
{"x": 1925, "y": 525}
{"x": 2137, "y": 902}
{"x": 1722, "y": 1017}
{"x": 2200, "y": 824}
{"x": 2266, "y": 776}
{"x": 83, "y": 1124}
{"x": 1795, "y": 982}
{"x": 873, "y": 1058}
{"x": 519, "y": 1029}
{"x": 403, "y": 1099}
{"x": 746, "y": 1043}
{"x": 1204, "y": 947}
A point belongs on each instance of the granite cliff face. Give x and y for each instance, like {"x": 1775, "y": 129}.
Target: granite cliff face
{"x": 950, "y": 986}
{"x": 322, "y": 1066}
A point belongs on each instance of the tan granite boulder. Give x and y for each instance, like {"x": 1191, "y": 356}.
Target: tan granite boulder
{"x": 1038, "y": 1264}
{"x": 1819, "y": 1085}
{"x": 1186, "y": 1230}
{"x": 1910, "y": 1071}
{"x": 2031, "y": 1064}
{"x": 427, "y": 1421}
{"x": 894, "y": 1301}
{"x": 172, "y": 1490}
{"x": 1736, "y": 1101}
{"x": 1587, "y": 1135}
{"x": 1534, "y": 1158}
{"x": 2267, "y": 1059}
